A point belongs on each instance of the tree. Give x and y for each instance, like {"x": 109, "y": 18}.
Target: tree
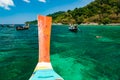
{"x": 100, "y": 11}
{"x": 106, "y": 20}
{"x": 80, "y": 20}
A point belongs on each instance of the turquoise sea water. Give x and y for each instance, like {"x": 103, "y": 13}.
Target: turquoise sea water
{"x": 93, "y": 53}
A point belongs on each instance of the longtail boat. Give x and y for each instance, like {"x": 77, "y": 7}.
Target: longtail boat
{"x": 73, "y": 28}
{"x": 44, "y": 70}
{"x": 25, "y": 27}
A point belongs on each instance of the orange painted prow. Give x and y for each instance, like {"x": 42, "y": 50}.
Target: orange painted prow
{"x": 44, "y": 31}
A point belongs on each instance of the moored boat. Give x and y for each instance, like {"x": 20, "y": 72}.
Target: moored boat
{"x": 73, "y": 28}
{"x": 2, "y": 25}
{"x": 19, "y": 27}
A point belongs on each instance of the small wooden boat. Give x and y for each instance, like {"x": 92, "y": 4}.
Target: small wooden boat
{"x": 44, "y": 70}
{"x": 19, "y": 27}
{"x": 73, "y": 28}
{"x": 2, "y": 25}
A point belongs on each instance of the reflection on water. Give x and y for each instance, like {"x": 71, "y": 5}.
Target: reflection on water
{"x": 81, "y": 54}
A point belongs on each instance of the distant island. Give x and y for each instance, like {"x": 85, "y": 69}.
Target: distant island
{"x": 97, "y": 12}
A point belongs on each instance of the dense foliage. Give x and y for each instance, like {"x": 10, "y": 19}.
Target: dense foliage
{"x": 31, "y": 22}
{"x": 98, "y": 11}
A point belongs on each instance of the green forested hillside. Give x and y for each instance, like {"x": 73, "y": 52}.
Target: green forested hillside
{"x": 98, "y": 11}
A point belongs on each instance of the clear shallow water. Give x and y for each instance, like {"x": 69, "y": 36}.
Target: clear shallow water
{"x": 92, "y": 54}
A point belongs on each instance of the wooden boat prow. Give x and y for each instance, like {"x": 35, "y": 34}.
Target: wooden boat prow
{"x": 44, "y": 70}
